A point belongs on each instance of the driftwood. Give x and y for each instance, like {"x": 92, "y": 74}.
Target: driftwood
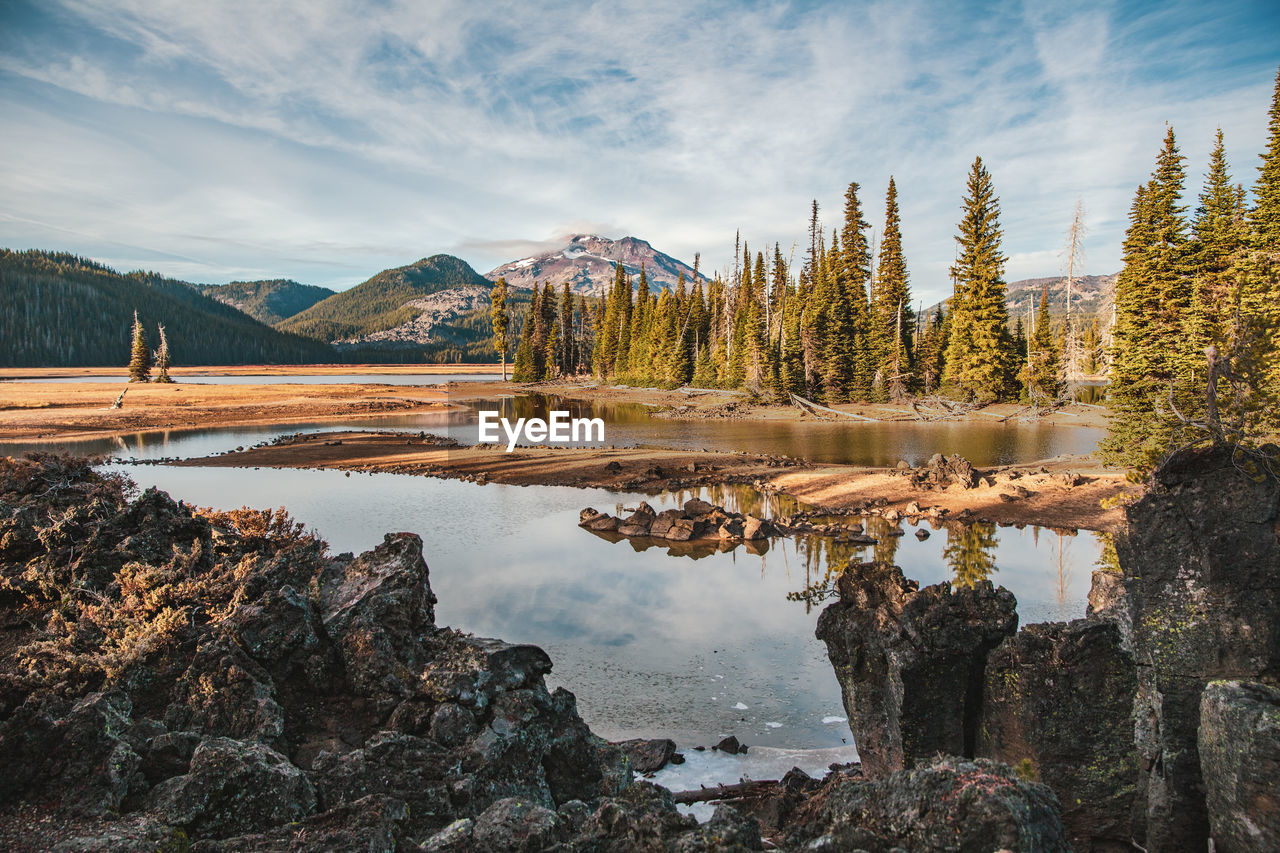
{"x": 119, "y": 403}
{"x": 814, "y": 408}
{"x": 741, "y": 791}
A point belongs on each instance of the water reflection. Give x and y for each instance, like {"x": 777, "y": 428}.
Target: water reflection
{"x": 652, "y": 645}
{"x": 854, "y": 443}
{"x": 971, "y": 552}
{"x": 632, "y": 425}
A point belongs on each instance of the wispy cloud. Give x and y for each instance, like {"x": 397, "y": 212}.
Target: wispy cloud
{"x": 324, "y": 140}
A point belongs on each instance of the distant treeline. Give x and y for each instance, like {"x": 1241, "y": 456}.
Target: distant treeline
{"x": 61, "y": 310}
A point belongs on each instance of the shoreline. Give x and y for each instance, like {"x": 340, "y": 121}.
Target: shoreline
{"x": 1066, "y": 492}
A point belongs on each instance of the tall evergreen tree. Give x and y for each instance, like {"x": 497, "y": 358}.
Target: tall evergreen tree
{"x": 139, "y": 354}
{"x": 979, "y": 360}
{"x": 500, "y": 320}
{"x": 891, "y": 312}
{"x": 1152, "y": 365}
{"x": 1265, "y": 217}
{"x": 1042, "y": 372}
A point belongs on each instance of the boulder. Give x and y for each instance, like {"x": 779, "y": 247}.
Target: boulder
{"x": 587, "y": 514}
{"x": 662, "y": 522}
{"x": 603, "y": 523}
{"x": 948, "y": 805}
{"x": 1239, "y": 745}
{"x": 378, "y": 610}
{"x": 232, "y": 788}
{"x": 681, "y": 530}
{"x": 1058, "y": 705}
{"x": 910, "y": 663}
{"x": 696, "y": 507}
{"x": 648, "y": 756}
{"x": 1200, "y": 558}
{"x": 754, "y": 528}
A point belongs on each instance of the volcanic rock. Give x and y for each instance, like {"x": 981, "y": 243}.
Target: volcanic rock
{"x": 910, "y": 663}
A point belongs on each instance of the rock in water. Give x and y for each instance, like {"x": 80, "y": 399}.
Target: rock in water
{"x": 1201, "y": 562}
{"x": 648, "y": 756}
{"x": 910, "y": 663}
{"x": 1058, "y": 704}
{"x": 1239, "y": 742}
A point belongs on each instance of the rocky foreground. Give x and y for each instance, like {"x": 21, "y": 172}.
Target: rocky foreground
{"x": 1155, "y": 719}
{"x": 173, "y": 679}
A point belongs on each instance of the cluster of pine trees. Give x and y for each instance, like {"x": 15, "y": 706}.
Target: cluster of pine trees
{"x": 1196, "y": 349}
{"x": 839, "y": 329}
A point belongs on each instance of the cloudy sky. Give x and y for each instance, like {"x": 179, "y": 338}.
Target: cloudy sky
{"x": 326, "y": 140}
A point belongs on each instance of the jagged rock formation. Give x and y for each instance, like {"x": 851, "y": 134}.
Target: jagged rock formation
{"x": 1201, "y": 561}
{"x": 910, "y": 662}
{"x": 587, "y": 263}
{"x": 1059, "y": 704}
{"x": 1239, "y": 743}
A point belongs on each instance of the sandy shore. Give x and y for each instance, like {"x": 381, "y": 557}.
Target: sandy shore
{"x": 39, "y": 411}
{"x": 1065, "y": 492}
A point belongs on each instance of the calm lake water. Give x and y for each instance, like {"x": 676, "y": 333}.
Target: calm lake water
{"x": 654, "y": 643}
{"x": 630, "y": 425}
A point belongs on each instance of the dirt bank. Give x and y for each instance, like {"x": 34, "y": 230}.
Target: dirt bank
{"x": 1065, "y": 492}
{"x": 42, "y": 411}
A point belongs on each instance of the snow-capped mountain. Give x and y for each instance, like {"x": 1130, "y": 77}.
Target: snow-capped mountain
{"x": 588, "y": 263}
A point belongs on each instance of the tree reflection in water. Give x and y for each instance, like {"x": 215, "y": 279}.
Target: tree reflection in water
{"x": 970, "y": 552}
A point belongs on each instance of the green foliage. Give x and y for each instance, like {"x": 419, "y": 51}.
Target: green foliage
{"x": 380, "y": 303}
{"x": 270, "y": 302}
{"x": 501, "y": 321}
{"x": 1042, "y": 372}
{"x": 979, "y": 357}
{"x": 139, "y": 353}
{"x": 62, "y": 310}
{"x": 1196, "y": 354}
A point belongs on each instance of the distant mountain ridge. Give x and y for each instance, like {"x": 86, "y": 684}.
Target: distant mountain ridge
{"x": 588, "y": 263}
{"x": 1091, "y": 295}
{"x": 270, "y": 301}
{"x": 385, "y": 301}
{"x": 57, "y": 309}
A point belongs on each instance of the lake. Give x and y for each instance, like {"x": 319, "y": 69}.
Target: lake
{"x": 688, "y": 647}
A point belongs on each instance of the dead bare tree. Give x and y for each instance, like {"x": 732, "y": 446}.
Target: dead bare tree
{"x": 1074, "y": 257}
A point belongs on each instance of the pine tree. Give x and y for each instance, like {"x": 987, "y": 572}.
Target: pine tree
{"x": 140, "y": 354}
{"x": 1041, "y": 375}
{"x": 1152, "y": 365}
{"x": 162, "y": 357}
{"x": 1265, "y": 216}
{"x": 524, "y": 368}
{"x": 891, "y": 311}
{"x": 979, "y": 363}
{"x": 568, "y": 341}
{"x": 500, "y": 321}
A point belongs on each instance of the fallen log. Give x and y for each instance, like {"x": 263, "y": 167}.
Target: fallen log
{"x": 810, "y": 406}
{"x": 741, "y": 791}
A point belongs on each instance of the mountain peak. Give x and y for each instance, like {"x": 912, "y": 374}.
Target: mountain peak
{"x": 587, "y": 263}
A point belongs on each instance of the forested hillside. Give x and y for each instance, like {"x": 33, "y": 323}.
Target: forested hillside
{"x": 382, "y": 302}
{"x": 61, "y": 310}
{"x": 269, "y": 301}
